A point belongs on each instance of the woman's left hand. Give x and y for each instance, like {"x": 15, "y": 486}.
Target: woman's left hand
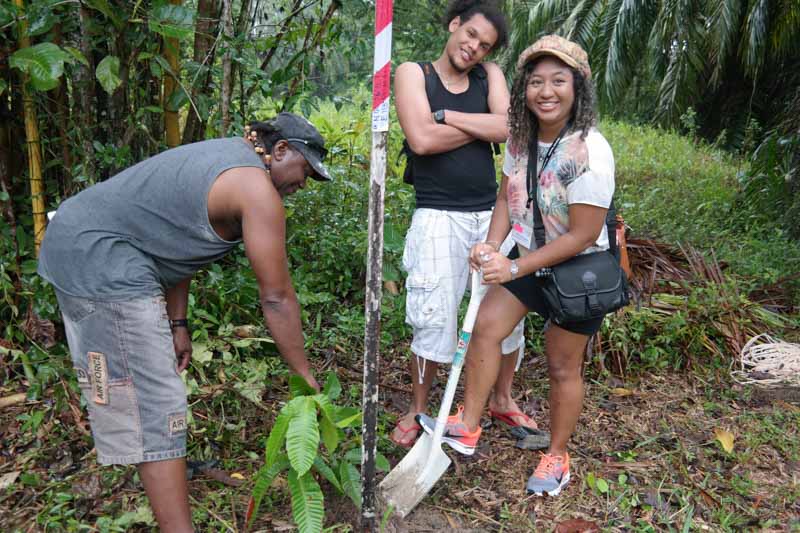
{"x": 497, "y": 269}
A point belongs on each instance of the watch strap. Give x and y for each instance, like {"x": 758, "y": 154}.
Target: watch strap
{"x": 179, "y": 323}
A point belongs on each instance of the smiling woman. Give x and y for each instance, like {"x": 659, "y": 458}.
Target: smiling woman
{"x": 558, "y": 184}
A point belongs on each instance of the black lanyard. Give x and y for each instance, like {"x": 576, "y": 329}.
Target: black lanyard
{"x": 533, "y": 150}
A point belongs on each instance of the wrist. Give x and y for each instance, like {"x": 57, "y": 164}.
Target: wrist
{"x": 179, "y": 323}
{"x": 513, "y": 269}
{"x": 493, "y": 244}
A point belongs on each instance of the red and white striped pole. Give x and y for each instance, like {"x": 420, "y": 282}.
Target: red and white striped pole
{"x": 382, "y": 67}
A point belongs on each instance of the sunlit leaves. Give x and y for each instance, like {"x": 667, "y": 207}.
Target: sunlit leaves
{"x": 44, "y": 63}
{"x": 172, "y": 21}
{"x": 107, "y": 73}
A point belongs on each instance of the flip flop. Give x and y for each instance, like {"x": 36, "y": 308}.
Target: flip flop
{"x": 405, "y": 431}
{"x": 508, "y": 419}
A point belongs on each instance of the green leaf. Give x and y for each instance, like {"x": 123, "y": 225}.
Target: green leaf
{"x": 302, "y": 437}
{"x": 602, "y": 486}
{"x": 44, "y": 63}
{"x": 327, "y": 472}
{"x": 263, "y": 479}
{"x": 29, "y": 266}
{"x": 276, "y": 437}
{"x": 351, "y": 482}
{"x": 298, "y": 386}
{"x": 105, "y": 8}
{"x": 77, "y": 55}
{"x": 40, "y": 21}
{"x": 347, "y": 416}
{"x": 382, "y": 463}
{"x": 107, "y": 73}
{"x": 332, "y": 388}
{"x": 172, "y": 21}
{"x": 330, "y": 433}
{"x": 308, "y": 508}
{"x": 201, "y": 353}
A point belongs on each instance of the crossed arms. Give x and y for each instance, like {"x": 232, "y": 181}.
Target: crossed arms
{"x": 425, "y": 136}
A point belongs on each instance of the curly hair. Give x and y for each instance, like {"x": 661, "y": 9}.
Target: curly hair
{"x": 466, "y": 9}
{"x": 523, "y": 124}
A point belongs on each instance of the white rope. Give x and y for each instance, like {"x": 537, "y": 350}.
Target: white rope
{"x": 769, "y": 362}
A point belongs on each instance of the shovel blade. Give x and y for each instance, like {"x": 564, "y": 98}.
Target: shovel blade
{"x": 413, "y": 477}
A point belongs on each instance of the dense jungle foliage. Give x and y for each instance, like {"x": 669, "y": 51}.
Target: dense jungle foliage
{"x": 701, "y": 103}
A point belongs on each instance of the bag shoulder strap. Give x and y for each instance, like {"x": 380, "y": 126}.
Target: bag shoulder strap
{"x": 538, "y": 222}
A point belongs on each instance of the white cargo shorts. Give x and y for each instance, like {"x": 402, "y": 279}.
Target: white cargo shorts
{"x": 436, "y": 259}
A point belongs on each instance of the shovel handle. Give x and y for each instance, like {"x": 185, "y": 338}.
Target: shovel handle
{"x": 476, "y": 295}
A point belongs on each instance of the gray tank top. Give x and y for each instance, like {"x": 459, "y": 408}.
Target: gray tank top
{"x": 146, "y": 228}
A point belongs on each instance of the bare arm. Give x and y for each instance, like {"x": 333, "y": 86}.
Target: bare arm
{"x": 264, "y": 234}
{"x": 177, "y": 304}
{"x": 178, "y": 299}
{"x": 586, "y": 223}
{"x": 492, "y": 126}
{"x": 414, "y": 113}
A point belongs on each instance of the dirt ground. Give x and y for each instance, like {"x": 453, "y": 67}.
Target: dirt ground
{"x": 647, "y": 456}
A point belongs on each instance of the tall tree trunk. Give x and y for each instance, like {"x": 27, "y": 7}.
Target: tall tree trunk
{"x": 62, "y": 118}
{"x": 227, "y": 80}
{"x": 32, "y": 139}
{"x": 172, "y": 55}
{"x": 85, "y": 94}
{"x": 206, "y": 28}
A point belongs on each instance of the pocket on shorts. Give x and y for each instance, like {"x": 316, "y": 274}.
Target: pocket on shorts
{"x": 424, "y": 302}
{"x": 115, "y": 424}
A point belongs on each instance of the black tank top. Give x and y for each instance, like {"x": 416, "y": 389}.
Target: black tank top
{"x": 463, "y": 179}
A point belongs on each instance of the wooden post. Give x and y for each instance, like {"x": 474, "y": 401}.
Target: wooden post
{"x": 377, "y": 175}
{"x": 172, "y": 49}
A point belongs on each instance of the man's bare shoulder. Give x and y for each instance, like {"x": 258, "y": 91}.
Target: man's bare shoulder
{"x": 245, "y": 187}
{"x": 408, "y": 70}
{"x": 492, "y": 69}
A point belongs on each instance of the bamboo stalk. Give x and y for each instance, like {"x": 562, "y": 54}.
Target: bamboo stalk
{"x": 32, "y": 140}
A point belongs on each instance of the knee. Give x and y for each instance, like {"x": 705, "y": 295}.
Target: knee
{"x": 487, "y": 330}
{"x": 563, "y": 370}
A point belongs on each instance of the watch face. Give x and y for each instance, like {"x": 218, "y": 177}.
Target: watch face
{"x": 439, "y": 116}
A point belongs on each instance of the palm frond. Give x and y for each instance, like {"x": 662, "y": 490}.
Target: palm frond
{"x": 725, "y": 22}
{"x": 686, "y": 52}
{"x": 627, "y": 39}
{"x": 785, "y": 38}
{"x": 754, "y": 45}
{"x": 574, "y": 27}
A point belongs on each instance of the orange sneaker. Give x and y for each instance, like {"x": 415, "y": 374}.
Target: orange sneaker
{"x": 550, "y": 476}
{"x": 456, "y": 433}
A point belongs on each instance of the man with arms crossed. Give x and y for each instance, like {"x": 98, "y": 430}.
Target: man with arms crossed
{"x": 450, "y": 134}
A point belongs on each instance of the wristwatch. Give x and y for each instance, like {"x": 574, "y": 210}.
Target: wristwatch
{"x": 438, "y": 116}
{"x": 514, "y": 269}
{"x": 178, "y": 323}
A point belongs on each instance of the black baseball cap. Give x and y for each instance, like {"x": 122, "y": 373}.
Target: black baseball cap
{"x": 306, "y": 139}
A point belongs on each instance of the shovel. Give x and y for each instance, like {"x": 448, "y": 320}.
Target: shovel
{"x": 413, "y": 477}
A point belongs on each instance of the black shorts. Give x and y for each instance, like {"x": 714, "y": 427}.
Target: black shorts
{"x": 529, "y": 292}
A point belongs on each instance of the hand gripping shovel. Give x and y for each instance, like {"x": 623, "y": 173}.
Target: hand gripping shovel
{"x": 421, "y": 468}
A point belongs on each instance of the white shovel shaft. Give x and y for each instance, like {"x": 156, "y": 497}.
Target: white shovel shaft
{"x": 476, "y": 295}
